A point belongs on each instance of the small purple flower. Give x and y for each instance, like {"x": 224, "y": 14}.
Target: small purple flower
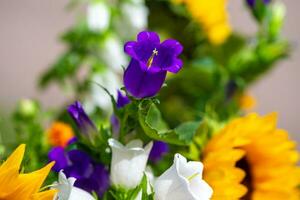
{"x": 73, "y": 140}
{"x": 89, "y": 175}
{"x": 154, "y": 56}
{"x": 57, "y": 154}
{"x": 140, "y": 83}
{"x": 122, "y": 100}
{"x": 252, "y": 3}
{"x": 158, "y": 150}
{"x": 83, "y": 122}
{"x": 151, "y": 60}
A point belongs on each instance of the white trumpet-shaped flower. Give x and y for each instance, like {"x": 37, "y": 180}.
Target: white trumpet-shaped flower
{"x": 66, "y": 190}
{"x": 128, "y": 163}
{"x": 182, "y": 181}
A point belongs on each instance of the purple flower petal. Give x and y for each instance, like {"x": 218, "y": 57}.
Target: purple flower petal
{"x": 152, "y": 55}
{"x": 143, "y": 48}
{"x": 58, "y": 155}
{"x": 78, "y": 164}
{"x": 158, "y": 150}
{"x": 86, "y": 184}
{"x": 98, "y": 181}
{"x": 122, "y": 100}
{"x": 101, "y": 175}
{"x": 167, "y": 56}
{"x": 252, "y": 3}
{"x": 73, "y": 140}
{"x": 81, "y": 119}
{"x": 142, "y": 83}
{"x": 81, "y": 164}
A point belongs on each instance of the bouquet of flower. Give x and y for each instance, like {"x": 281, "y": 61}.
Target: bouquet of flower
{"x": 178, "y": 129}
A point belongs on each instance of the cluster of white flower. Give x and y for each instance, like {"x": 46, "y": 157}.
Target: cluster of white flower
{"x": 182, "y": 181}
{"x": 117, "y": 26}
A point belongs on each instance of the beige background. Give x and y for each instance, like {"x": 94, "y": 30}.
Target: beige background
{"x": 28, "y": 44}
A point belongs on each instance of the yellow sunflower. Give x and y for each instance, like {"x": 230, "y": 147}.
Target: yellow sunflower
{"x": 213, "y": 17}
{"x": 15, "y": 186}
{"x": 251, "y": 159}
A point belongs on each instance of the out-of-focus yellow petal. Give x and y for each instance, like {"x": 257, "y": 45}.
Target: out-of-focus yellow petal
{"x": 212, "y": 15}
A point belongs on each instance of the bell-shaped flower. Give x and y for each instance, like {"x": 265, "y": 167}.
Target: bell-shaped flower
{"x": 183, "y": 180}
{"x": 154, "y": 56}
{"x": 66, "y": 190}
{"x": 159, "y": 149}
{"x": 151, "y": 60}
{"x": 82, "y": 120}
{"x": 140, "y": 83}
{"x": 122, "y": 100}
{"x": 128, "y": 163}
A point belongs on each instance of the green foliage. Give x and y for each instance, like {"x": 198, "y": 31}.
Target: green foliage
{"x": 141, "y": 189}
{"x": 153, "y": 125}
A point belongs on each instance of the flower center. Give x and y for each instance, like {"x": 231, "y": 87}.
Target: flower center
{"x": 150, "y": 60}
{"x": 247, "y": 181}
{"x": 193, "y": 176}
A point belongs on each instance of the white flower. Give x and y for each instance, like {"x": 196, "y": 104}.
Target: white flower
{"x": 66, "y": 190}
{"x": 136, "y": 15}
{"x": 133, "y": 18}
{"x": 79, "y": 194}
{"x": 182, "y": 181}
{"x": 112, "y": 53}
{"x": 128, "y": 163}
{"x": 98, "y": 16}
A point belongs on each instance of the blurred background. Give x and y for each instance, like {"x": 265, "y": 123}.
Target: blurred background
{"x": 29, "y": 44}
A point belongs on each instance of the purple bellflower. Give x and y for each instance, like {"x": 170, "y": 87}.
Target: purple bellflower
{"x": 140, "y": 83}
{"x": 82, "y": 120}
{"x": 154, "y": 56}
{"x": 158, "y": 150}
{"x": 252, "y": 3}
{"x": 90, "y": 176}
{"x": 151, "y": 60}
{"x": 122, "y": 100}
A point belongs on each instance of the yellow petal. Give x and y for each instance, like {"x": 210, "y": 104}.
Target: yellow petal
{"x": 47, "y": 195}
{"x": 15, "y": 159}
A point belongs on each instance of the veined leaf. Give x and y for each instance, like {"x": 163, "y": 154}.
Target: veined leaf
{"x": 155, "y": 127}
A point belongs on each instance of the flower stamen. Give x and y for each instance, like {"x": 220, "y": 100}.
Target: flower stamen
{"x": 150, "y": 60}
{"x": 193, "y": 176}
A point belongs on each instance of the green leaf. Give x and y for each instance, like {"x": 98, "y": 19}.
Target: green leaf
{"x": 142, "y": 187}
{"x": 186, "y": 131}
{"x": 154, "y": 126}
